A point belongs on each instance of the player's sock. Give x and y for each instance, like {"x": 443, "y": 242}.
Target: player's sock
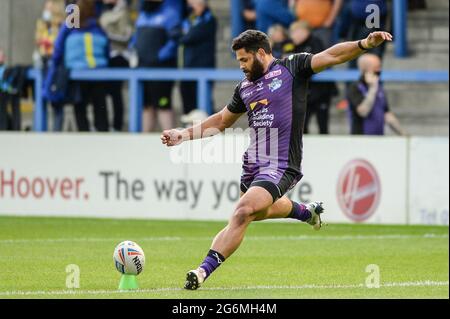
{"x": 212, "y": 261}
{"x": 300, "y": 212}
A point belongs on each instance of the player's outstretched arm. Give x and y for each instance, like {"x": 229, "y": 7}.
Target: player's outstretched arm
{"x": 213, "y": 125}
{"x": 347, "y": 51}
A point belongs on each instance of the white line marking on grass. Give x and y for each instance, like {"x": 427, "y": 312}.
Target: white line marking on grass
{"x": 82, "y": 239}
{"x": 201, "y": 238}
{"x": 347, "y": 237}
{"x": 427, "y": 283}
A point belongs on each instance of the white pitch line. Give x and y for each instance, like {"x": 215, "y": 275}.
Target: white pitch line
{"x": 199, "y": 238}
{"x": 83, "y": 239}
{"x": 427, "y": 283}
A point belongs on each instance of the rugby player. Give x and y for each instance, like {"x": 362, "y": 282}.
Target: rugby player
{"x": 273, "y": 95}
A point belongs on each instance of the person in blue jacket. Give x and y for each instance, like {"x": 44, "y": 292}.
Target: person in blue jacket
{"x": 155, "y": 41}
{"x": 81, "y": 48}
{"x": 199, "y": 41}
{"x": 270, "y": 12}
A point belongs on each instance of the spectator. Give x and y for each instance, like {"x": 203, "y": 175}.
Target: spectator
{"x": 83, "y": 48}
{"x": 279, "y": 40}
{"x": 359, "y": 29}
{"x": 320, "y": 93}
{"x": 342, "y": 23}
{"x": 12, "y": 84}
{"x": 157, "y": 28}
{"x": 369, "y": 110}
{"x": 270, "y": 12}
{"x": 320, "y": 15}
{"x": 199, "y": 41}
{"x": 116, "y": 22}
{"x": 249, "y": 14}
{"x": 47, "y": 29}
{"x": 4, "y": 117}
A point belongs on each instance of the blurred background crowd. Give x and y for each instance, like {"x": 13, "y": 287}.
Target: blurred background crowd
{"x": 189, "y": 34}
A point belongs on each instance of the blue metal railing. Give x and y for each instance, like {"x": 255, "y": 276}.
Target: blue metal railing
{"x": 135, "y": 78}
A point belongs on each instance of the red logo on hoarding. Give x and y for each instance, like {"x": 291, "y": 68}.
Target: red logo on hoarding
{"x": 358, "y": 190}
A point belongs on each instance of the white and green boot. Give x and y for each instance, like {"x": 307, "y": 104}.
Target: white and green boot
{"x": 316, "y": 209}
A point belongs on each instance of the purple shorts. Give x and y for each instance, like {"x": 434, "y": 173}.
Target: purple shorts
{"x": 277, "y": 183}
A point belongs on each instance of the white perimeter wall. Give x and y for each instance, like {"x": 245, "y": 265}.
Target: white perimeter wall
{"x": 371, "y": 180}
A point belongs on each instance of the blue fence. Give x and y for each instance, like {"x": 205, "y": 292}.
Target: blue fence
{"x": 135, "y": 78}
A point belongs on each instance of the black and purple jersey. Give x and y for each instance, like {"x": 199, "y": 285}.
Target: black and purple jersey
{"x": 276, "y": 107}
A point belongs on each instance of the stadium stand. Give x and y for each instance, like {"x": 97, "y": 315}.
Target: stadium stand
{"x": 428, "y": 50}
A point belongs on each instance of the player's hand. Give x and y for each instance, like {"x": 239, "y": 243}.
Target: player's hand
{"x": 376, "y": 39}
{"x": 172, "y": 137}
{"x": 371, "y": 78}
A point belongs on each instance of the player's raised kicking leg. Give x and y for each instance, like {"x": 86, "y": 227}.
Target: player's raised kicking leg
{"x": 286, "y": 208}
{"x": 255, "y": 205}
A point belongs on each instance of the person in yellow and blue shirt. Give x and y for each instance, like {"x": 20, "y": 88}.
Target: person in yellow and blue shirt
{"x": 86, "y": 47}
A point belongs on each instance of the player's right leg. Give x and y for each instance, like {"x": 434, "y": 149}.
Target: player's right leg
{"x": 255, "y": 200}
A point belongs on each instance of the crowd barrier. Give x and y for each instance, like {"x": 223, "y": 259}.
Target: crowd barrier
{"x": 135, "y": 78}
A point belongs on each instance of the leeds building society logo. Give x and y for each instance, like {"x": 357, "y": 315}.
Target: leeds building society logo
{"x": 275, "y": 85}
{"x": 358, "y": 190}
{"x": 261, "y": 102}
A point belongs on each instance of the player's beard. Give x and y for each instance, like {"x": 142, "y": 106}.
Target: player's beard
{"x": 256, "y": 71}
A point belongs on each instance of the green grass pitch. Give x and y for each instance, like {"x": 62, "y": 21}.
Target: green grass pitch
{"x": 276, "y": 260}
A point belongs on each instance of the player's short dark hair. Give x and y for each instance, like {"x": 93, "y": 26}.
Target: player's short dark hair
{"x": 252, "y": 41}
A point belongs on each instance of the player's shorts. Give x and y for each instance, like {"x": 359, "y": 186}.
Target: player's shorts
{"x": 158, "y": 94}
{"x": 277, "y": 187}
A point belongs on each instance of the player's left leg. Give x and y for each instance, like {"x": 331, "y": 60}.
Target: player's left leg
{"x": 282, "y": 206}
{"x": 286, "y": 208}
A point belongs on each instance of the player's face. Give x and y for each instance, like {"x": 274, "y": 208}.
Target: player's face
{"x": 251, "y": 64}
